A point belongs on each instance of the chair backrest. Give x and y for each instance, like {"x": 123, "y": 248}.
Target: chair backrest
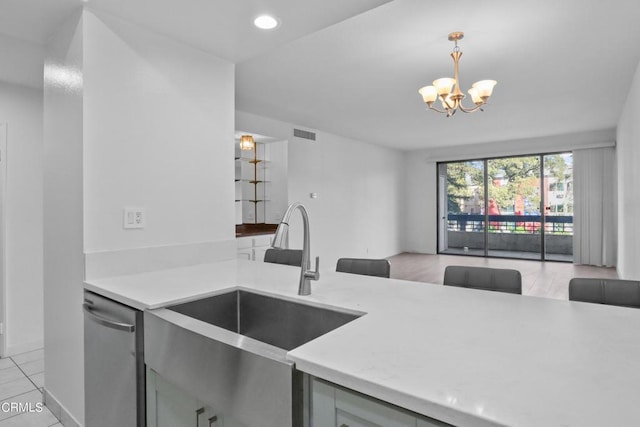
{"x": 368, "y": 267}
{"x": 284, "y": 256}
{"x": 485, "y": 278}
{"x": 624, "y": 293}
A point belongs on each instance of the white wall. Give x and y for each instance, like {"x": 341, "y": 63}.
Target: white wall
{"x": 360, "y": 187}
{"x": 628, "y": 158}
{"x": 151, "y": 126}
{"x": 21, "y": 110}
{"x": 277, "y": 175}
{"x": 63, "y": 252}
{"x": 22, "y": 62}
{"x": 158, "y": 134}
{"x": 421, "y": 218}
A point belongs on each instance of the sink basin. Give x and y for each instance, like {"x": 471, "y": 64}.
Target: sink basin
{"x": 230, "y": 352}
{"x": 281, "y": 323}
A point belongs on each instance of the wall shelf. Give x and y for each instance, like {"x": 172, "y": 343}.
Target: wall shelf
{"x": 251, "y": 185}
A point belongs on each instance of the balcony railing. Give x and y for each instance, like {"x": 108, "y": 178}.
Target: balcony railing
{"x": 525, "y": 224}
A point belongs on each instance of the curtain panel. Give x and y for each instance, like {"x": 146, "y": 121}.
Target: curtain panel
{"x": 595, "y": 207}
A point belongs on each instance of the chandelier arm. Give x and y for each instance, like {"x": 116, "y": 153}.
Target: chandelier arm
{"x": 435, "y": 109}
{"x": 449, "y": 107}
{"x": 471, "y": 110}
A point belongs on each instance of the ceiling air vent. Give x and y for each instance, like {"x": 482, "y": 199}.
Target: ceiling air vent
{"x": 304, "y": 134}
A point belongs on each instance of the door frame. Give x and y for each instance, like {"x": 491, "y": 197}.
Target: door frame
{"x": 442, "y": 210}
{"x": 3, "y": 235}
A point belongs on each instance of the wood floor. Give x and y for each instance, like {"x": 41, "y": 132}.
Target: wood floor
{"x": 543, "y": 279}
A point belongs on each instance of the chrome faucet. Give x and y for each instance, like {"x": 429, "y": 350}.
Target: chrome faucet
{"x": 281, "y": 241}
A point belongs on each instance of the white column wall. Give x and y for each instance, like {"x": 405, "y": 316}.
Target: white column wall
{"x": 63, "y": 252}
{"x": 21, "y": 110}
{"x": 628, "y": 177}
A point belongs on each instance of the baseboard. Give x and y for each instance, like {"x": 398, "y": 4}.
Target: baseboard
{"x": 59, "y": 411}
{"x": 14, "y": 349}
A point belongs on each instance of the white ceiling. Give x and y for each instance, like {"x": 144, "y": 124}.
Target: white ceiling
{"x": 352, "y": 68}
{"x": 561, "y": 66}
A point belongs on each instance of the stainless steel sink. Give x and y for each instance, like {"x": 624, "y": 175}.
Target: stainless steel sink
{"x": 229, "y": 351}
{"x": 281, "y": 323}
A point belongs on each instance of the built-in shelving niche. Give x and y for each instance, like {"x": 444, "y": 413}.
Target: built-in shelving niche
{"x": 261, "y": 182}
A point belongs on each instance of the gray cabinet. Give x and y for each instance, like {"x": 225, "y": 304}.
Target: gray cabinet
{"x": 333, "y": 406}
{"x": 170, "y": 406}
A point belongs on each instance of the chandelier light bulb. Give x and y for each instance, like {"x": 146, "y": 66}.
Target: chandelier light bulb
{"x": 484, "y": 87}
{"x": 474, "y": 96}
{"x": 429, "y": 94}
{"x": 444, "y": 85}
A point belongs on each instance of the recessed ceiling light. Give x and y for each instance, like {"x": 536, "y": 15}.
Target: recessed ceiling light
{"x": 265, "y": 22}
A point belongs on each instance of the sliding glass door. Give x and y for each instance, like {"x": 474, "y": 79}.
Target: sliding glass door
{"x": 462, "y": 219}
{"x": 512, "y": 207}
{"x": 558, "y": 197}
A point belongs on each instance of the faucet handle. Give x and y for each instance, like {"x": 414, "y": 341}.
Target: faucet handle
{"x": 314, "y": 275}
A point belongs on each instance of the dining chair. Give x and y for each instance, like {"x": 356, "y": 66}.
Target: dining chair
{"x": 623, "y": 293}
{"x": 284, "y": 256}
{"x": 365, "y": 266}
{"x": 484, "y": 278}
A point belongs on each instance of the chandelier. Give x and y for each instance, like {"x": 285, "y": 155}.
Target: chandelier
{"x": 448, "y": 90}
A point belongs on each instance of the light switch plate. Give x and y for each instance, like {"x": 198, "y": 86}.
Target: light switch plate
{"x": 134, "y": 218}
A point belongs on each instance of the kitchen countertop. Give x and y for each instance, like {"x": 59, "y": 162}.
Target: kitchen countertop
{"x": 466, "y": 357}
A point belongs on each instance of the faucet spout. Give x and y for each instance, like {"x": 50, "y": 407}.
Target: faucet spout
{"x": 281, "y": 241}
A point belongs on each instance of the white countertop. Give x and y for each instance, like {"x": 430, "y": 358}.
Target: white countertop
{"x": 466, "y": 357}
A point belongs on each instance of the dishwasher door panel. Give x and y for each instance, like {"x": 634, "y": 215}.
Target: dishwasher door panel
{"x": 114, "y": 380}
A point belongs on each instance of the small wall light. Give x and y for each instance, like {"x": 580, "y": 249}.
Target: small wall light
{"x": 247, "y": 142}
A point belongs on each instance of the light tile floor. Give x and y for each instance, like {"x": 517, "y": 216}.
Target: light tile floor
{"x": 21, "y": 382}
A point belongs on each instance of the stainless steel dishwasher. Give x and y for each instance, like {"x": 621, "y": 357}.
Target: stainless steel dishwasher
{"x": 113, "y": 364}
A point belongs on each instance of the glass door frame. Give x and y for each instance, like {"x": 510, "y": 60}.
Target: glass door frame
{"x": 443, "y": 211}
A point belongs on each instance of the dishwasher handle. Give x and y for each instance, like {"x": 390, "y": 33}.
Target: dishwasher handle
{"x": 107, "y": 322}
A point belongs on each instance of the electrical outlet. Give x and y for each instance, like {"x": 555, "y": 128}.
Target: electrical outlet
{"x": 134, "y": 218}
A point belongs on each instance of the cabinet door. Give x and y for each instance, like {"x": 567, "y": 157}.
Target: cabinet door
{"x": 323, "y": 404}
{"x": 258, "y": 254}
{"x": 332, "y": 406}
{"x": 168, "y": 406}
{"x": 263, "y": 241}
{"x": 353, "y": 410}
{"x": 209, "y": 418}
{"x": 423, "y": 422}
{"x": 245, "y": 254}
